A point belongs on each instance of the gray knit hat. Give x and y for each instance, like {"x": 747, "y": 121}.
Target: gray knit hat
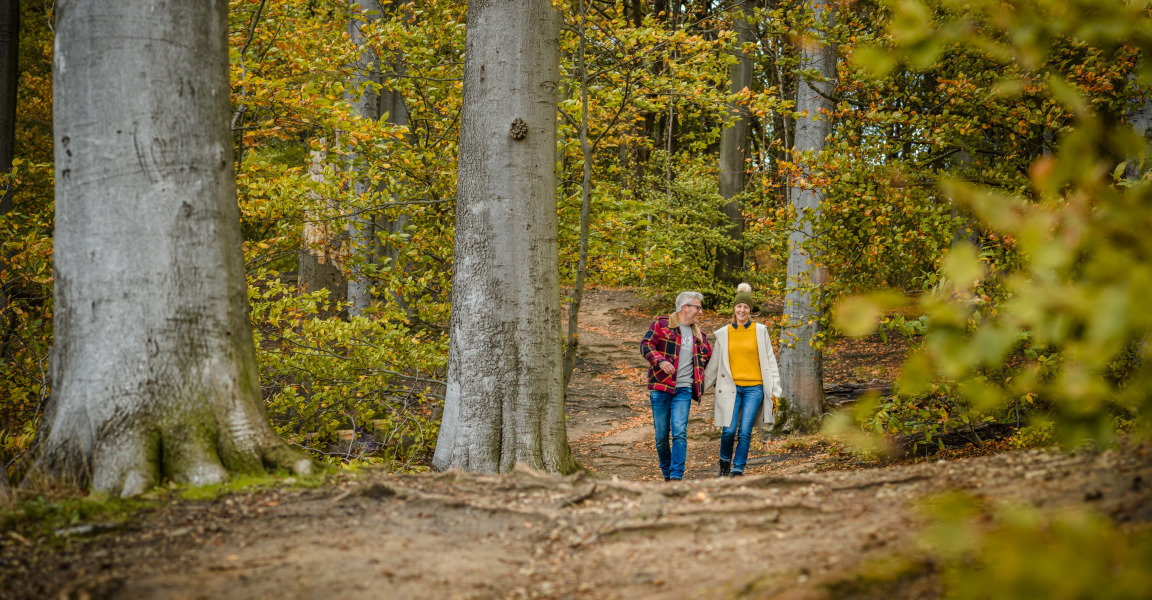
{"x": 744, "y": 295}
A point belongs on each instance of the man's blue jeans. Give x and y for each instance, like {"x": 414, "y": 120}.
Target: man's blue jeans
{"x": 670, "y": 417}
{"x": 748, "y": 399}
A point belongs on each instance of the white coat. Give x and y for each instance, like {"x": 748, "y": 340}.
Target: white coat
{"x": 719, "y": 373}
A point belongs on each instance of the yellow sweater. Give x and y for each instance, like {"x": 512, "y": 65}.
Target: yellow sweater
{"x": 744, "y": 356}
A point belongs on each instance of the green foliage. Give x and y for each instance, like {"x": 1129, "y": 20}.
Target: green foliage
{"x": 655, "y": 99}
{"x": 1039, "y": 314}
{"x": 1043, "y": 316}
{"x": 1019, "y": 105}
{"x": 362, "y": 389}
{"x": 25, "y": 328}
{"x": 312, "y": 170}
{"x": 25, "y": 243}
{"x": 876, "y": 232}
{"x": 686, "y": 228}
{"x": 1022, "y": 552}
{"x": 1036, "y": 435}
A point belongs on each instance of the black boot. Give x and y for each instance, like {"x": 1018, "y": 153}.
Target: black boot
{"x": 725, "y": 468}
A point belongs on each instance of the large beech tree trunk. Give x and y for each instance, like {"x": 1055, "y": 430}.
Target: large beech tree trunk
{"x": 801, "y": 367}
{"x": 153, "y": 364}
{"x": 504, "y": 402}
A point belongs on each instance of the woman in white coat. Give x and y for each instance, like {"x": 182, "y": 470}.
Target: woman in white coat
{"x": 743, "y": 368}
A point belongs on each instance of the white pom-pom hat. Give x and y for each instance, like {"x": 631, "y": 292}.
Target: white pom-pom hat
{"x": 744, "y": 296}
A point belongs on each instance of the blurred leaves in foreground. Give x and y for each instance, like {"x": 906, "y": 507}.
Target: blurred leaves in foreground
{"x": 1056, "y": 337}
{"x": 1021, "y": 552}
{"x": 1059, "y": 333}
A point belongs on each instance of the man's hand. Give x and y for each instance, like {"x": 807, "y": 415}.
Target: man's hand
{"x": 666, "y": 367}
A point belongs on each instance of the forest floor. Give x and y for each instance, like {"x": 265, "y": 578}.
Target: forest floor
{"x": 807, "y": 521}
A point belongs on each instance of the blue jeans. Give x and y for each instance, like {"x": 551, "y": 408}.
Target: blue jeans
{"x": 670, "y": 416}
{"x": 748, "y": 399}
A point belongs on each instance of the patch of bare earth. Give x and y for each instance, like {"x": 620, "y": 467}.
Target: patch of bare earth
{"x": 801, "y": 524}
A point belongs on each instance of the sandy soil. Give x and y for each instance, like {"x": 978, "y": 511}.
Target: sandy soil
{"x": 804, "y": 523}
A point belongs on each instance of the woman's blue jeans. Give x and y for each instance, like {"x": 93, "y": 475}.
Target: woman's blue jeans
{"x": 748, "y": 399}
{"x": 670, "y": 418}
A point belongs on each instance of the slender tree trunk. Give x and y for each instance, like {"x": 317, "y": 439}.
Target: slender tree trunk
{"x": 781, "y": 78}
{"x": 801, "y": 367}
{"x": 634, "y": 12}
{"x": 572, "y": 347}
{"x": 966, "y": 232}
{"x": 365, "y": 101}
{"x": 9, "y": 82}
{"x": 324, "y": 246}
{"x": 505, "y": 399}
{"x": 395, "y": 110}
{"x": 153, "y": 365}
{"x": 734, "y": 150}
{"x": 321, "y": 253}
{"x": 392, "y": 103}
{"x": 660, "y": 8}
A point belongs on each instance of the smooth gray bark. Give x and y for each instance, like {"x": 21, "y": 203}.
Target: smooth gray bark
{"x": 371, "y": 99}
{"x": 365, "y": 102}
{"x": 153, "y": 363}
{"x": 801, "y": 366}
{"x": 734, "y": 148}
{"x": 393, "y": 109}
{"x": 505, "y": 402}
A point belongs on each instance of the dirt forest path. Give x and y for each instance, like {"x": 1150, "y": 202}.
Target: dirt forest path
{"x": 800, "y": 525}
{"x": 610, "y": 424}
{"x": 609, "y": 419}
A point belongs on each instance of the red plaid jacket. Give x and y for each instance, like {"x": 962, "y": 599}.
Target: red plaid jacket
{"x": 662, "y": 342}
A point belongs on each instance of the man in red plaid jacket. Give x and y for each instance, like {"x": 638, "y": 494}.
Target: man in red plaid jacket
{"x": 677, "y": 352}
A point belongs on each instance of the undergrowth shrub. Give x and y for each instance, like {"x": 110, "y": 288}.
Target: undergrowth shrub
{"x": 25, "y": 309}
{"x": 366, "y": 389}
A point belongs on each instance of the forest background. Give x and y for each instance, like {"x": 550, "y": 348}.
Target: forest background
{"x": 985, "y": 167}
